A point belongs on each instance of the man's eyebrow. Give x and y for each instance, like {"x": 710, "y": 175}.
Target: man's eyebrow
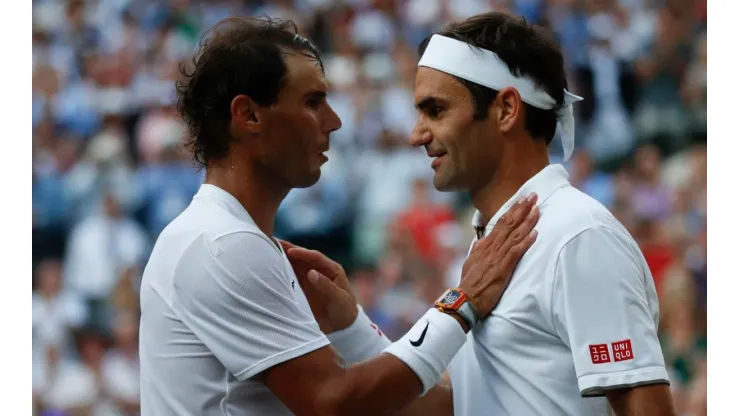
{"x": 316, "y": 94}
{"x": 427, "y": 102}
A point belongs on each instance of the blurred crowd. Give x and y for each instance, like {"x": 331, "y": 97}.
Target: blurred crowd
{"x": 109, "y": 171}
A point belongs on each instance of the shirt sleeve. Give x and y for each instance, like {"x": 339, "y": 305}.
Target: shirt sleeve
{"x": 605, "y": 308}
{"x": 236, "y": 294}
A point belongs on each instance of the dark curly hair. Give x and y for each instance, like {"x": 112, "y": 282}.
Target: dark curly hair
{"x": 237, "y": 56}
{"x": 527, "y": 50}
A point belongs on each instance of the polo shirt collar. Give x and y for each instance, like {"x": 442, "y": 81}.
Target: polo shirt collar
{"x": 544, "y": 184}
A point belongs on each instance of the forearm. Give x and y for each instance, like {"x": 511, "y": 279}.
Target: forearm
{"x": 437, "y": 402}
{"x": 395, "y": 380}
{"x": 381, "y": 385}
{"x": 651, "y": 400}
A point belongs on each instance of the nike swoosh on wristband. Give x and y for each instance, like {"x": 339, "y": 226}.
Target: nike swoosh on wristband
{"x": 421, "y": 338}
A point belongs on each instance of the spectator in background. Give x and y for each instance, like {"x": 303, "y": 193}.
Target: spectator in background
{"x": 422, "y": 288}
{"x": 342, "y": 73}
{"x": 696, "y": 263}
{"x": 125, "y": 296}
{"x": 656, "y": 248}
{"x": 106, "y": 163}
{"x": 101, "y": 247}
{"x": 385, "y": 192}
{"x": 166, "y": 183}
{"x": 622, "y": 204}
{"x": 660, "y": 112}
{"x": 454, "y": 239}
{"x": 74, "y": 106}
{"x": 650, "y": 197}
{"x": 396, "y": 98}
{"x": 369, "y": 288}
{"x": 161, "y": 126}
{"x": 607, "y": 80}
{"x": 45, "y": 85}
{"x": 55, "y": 310}
{"x": 76, "y": 30}
{"x": 697, "y": 392}
{"x": 120, "y": 366}
{"x": 694, "y": 90}
{"x": 422, "y": 219}
{"x": 49, "y": 201}
{"x": 372, "y": 28}
{"x": 683, "y": 345}
{"x": 651, "y": 203}
{"x": 583, "y": 176}
{"x": 319, "y": 215}
{"x": 122, "y": 36}
{"x": 74, "y": 386}
{"x": 55, "y": 313}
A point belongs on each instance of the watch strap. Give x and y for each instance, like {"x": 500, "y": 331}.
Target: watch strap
{"x": 461, "y": 306}
{"x": 467, "y": 312}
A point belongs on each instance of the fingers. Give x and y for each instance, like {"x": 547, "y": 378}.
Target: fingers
{"x": 523, "y": 229}
{"x": 286, "y": 245}
{"x": 508, "y": 222}
{"x": 322, "y": 284}
{"x": 315, "y": 260}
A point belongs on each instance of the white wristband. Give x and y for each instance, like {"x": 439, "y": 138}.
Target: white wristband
{"x": 429, "y": 347}
{"x": 360, "y": 341}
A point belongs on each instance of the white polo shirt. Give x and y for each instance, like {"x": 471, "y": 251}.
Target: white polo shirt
{"x": 220, "y": 304}
{"x": 580, "y": 316}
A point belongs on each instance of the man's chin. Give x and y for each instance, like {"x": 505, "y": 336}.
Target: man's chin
{"x": 444, "y": 184}
{"x": 309, "y": 180}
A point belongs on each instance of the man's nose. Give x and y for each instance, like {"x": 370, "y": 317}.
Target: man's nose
{"x": 420, "y": 136}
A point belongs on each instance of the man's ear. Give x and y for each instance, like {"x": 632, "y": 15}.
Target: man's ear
{"x": 244, "y": 114}
{"x": 510, "y": 108}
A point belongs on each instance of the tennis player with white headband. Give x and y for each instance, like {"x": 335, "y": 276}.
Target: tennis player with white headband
{"x": 575, "y": 332}
{"x": 485, "y": 68}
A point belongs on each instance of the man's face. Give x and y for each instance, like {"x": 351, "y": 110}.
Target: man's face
{"x": 294, "y": 132}
{"x": 464, "y": 150}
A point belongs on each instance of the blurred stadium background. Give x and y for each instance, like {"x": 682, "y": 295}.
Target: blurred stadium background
{"x": 109, "y": 172}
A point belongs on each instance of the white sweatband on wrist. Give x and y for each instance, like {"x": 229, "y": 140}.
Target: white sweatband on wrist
{"x": 360, "y": 341}
{"x": 430, "y": 345}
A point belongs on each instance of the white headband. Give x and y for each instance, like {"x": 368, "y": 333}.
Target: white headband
{"x": 484, "y": 67}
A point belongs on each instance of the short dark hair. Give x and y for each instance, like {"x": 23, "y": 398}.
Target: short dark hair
{"x": 237, "y": 56}
{"x": 527, "y": 50}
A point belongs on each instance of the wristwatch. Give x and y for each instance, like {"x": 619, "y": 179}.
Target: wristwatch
{"x": 456, "y": 301}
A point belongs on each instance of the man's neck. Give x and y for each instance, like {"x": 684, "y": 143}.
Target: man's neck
{"x": 258, "y": 195}
{"x": 513, "y": 172}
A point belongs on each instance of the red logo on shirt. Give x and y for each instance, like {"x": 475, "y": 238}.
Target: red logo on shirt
{"x": 599, "y": 353}
{"x": 622, "y": 350}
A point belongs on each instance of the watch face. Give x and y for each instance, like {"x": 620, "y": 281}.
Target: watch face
{"x": 451, "y": 297}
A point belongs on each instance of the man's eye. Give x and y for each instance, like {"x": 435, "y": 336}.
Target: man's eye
{"x": 314, "y": 103}
{"x": 434, "y": 112}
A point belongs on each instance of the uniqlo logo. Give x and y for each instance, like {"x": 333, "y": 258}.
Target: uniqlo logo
{"x": 622, "y": 350}
{"x": 599, "y": 353}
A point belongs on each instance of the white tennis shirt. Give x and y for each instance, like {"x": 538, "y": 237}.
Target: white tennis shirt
{"x": 220, "y": 304}
{"x": 580, "y": 316}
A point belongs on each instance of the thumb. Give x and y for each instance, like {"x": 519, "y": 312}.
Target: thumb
{"x": 322, "y": 283}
